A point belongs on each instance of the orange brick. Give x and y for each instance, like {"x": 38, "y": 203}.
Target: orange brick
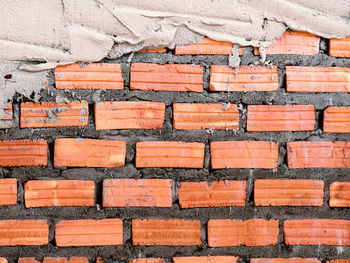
{"x": 170, "y": 77}
{"x": 3, "y": 260}
{"x": 169, "y": 154}
{"x": 252, "y": 232}
{"x": 51, "y": 114}
{"x": 153, "y": 50}
{"x": 333, "y": 232}
{"x": 295, "y": 43}
{"x": 345, "y": 260}
{"x": 6, "y": 121}
{"x": 339, "y": 194}
{"x": 212, "y": 194}
{"x": 28, "y": 260}
{"x": 158, "y": 232}
{"x": 142, "y": 192}
{"x": 324, "y": 154}
{"x": 87, "y": 232}
{"x": 244, "y": 154}
{"x": 212, "y": 259}
{"x": 288, "y": 192}
{"x": 91, "y": 76}
{"x": 339, "y": 47}
{"x": 8, "y": 191}
{"x": 129, "y": 115}
{"x": 55, "y": 260}
{"x": 284, "y": 260}
{"x": 318, "y": 79}
{"x": 24, "y": 232}
{"x": 207, "y": 47}
{"x": 205, "y": 116}
{"x": 42, "y": 193}
{"x": 23, "y": 153}
{"x": 336, "y": 119}
{"x": 147, "y": 260}
{"x": 264, "y": 118}
{"x": 257, "y": 78}
{"x": 89, "y": 153}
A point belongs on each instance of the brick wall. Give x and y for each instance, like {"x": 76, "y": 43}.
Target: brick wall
{"x": 168, "y": 156}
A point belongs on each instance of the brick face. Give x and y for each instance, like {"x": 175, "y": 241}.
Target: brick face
{"x": 212, "y": 259}
{"x": 7, "y": 120}
{"x": 147, "y": 260}
{"x": 339, "y": 47}
{"x": 284, "y": 260}
{"x": 339, "y": 194}
{"x": 336, "y": 119}
{"x": 8, "y": 191}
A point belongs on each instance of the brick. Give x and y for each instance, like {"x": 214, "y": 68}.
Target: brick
{"x": 339, "y": 194}
{"x": 318, "y": 79}
{"x": 3, "y": 260}
{"x": 23, "y": 153}
{"x": 81, "y": 152}
{"x": 24, "y": 232}
{"x": 51, "y": 114}
{"x": 322, "y": 154}
{"x": 244, "y": 154}
{"x": 294, "y": 43}
{"x": 41, "y": 193}
{"x": 159, "y": 232}
{"x": 344, "y": 260}
{"x": 252, "y": 232}
{"x": 265, "y": 118}
{"x": 333, "y": 232}
{"x": 8, "y": 191}
{"x": 284, "y": 260}
{"x": 257, "y": 78}
{"x": 6, "y": 121}
{"x": 142, "y": 192}
{"x": 88, "y": 232}
{"x": 92, "y": 76}
{"x": 286, "y": 192}
{"x": 205, "y": 116}
{"x": 153, "y": 50}
{"x": 170, "y": 77}
{"x": 207, "y": 47}
{"x": 55, "y": 260}
{"x": 339, "y": 47}
{"x": 129, "y": 115}
{"x": 210, "y": 259}
{"x": 147, "y": 260}
{"x": 169, "y": 154}
{"x": 212, "y": 194}
{"x": 336, "y": 119}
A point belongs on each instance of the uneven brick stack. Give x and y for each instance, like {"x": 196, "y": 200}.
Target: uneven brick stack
{"x": 170, "y": 156}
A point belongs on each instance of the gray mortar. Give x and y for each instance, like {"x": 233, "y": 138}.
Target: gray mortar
{"x": 54, "y": 214}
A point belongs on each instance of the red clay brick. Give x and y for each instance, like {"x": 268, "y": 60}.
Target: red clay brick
{"x": 142, "y": 192}
{"x": 24, "y": 232}
{"x": 51, "y": 114}
{"x": 23, "y": 153}
{"x": 153, "y": 50}
{"x": 171, "y": 77}
{"x": 244, "y": 154}
{"x": 91, "y": 76}
{"x": 129, "y": 115}
{"x": 88, "y": 232}
{"x": 318, "y": 79}
{"x": 284, "y": 260}
{"x": 8, "y": 191}
{"x": 333, "y": 232}
{"x": 159, "y": 232}
{"x": 6, "y": 121}
{"x": 42, "y": 193}
{"x": 210, "y": 259}
{"x": 252, "y": 232}
{"x": 339, "y": 47}
{"x": 147, "y": 260}
{"x": 288, "y": 192}
{"x": 339, "y": 194}
{"x": 344, "y": 260}
{"x": 205, "y": 116}
{"x": 207, "y": 47}
{"x": 323, "y": 154}
{"x": 55, "y": 260}
{"x": 265, "y": 118}
{"x": 28, "y": 260}
{"x": 257, "y": 78}
{"x": 3, "y": 260}
{"x": 81, "y": 152}
{"x": 336, "y": 119}
{"x": 169, "y": 154}
{"x": 295, "y": 43}
{"x": 212, "y": 194}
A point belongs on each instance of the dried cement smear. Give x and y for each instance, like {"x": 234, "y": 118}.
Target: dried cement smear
{"x": 65, "y": 31}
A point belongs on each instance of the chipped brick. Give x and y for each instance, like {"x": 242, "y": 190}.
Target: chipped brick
{"x": 210, "y": 259}
{"x": 129, "y": 115}
{"x": 284, "y": 260}
{"x": 212, "y": 194}
{"x": 170, "y": 77}
{"x": 8, "y": 191}
{"x": 158, "y": 232}
{"x": 147, "y": 260}
{"x": 339, "y": 194}
{"x": 336, "y": 119}
{"x": 81, "y": 152}
{"x": 55, "y": 260}
{"x": 339, "y": 47}
{"x": 205, "y": 116}
{"x": 142, "y": 192}
{"x": 6, "y": 121}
